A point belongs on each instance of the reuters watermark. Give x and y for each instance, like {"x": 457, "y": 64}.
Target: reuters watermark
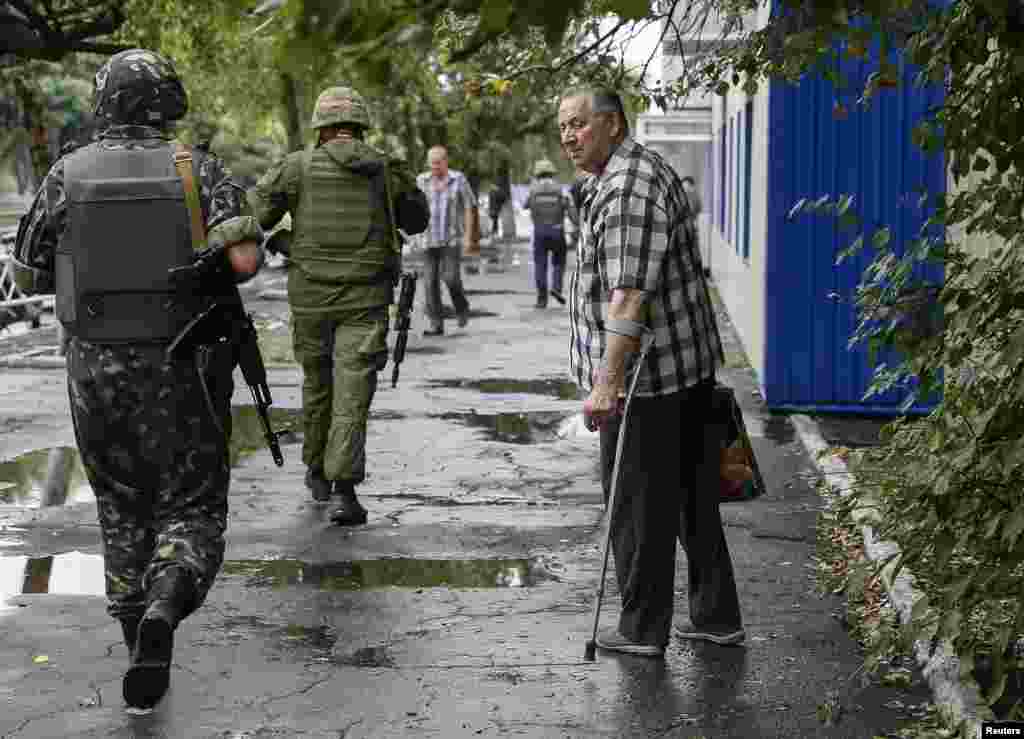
{"x": 1002, "y": 728}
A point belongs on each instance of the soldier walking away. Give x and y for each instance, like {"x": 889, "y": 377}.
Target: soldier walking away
{"x": 549, "y": 208}
{"x": 110, "y": 229}
{"x": 346, "y": 201}
{"x": 452, "y": 209}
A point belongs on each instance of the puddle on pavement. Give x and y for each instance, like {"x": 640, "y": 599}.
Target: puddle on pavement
{"x": 55, "y": 476}
{"x": 72, "y": 573}
{"x": 247, "y": 431}
{"x": 553, "y": 387}
{"x": 377, "y": 574}
{"x": 533, "y": 427}
{"x": 23, "y": 480}
{"x": 75, "y": 573}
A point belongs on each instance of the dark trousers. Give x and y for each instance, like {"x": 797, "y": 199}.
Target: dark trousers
{"x": 548, "y": 240}
{"x": 669, "y": 489}
{"x": 442, "y": 264}
{"x": 158, "y": 461}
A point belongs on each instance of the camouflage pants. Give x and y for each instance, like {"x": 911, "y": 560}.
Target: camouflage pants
{"x": 340, "y": 355}
{"x": 156, "y": 460}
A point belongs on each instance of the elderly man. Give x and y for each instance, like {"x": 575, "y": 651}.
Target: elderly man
{"x": 452, "y": 209}
{"x": 638, "y": 272}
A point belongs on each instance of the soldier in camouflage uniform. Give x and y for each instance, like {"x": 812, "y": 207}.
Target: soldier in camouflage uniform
{"x": 345, "y": 200}
{"x": 151, "y": 430}
{"x": 550, "y": 209}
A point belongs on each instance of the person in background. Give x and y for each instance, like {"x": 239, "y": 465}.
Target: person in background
{"x": 638, "y": 275}
{"x": 452, "y": 208}
{"x": 550, "y": 208}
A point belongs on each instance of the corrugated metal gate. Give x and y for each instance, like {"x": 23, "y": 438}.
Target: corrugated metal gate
{"x": 811, "y": 153}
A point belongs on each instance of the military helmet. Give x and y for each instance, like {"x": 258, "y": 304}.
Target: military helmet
{"x": 339, "y": 105}
{"x": 543, "y": 167}
{"x": 139, "y": 86}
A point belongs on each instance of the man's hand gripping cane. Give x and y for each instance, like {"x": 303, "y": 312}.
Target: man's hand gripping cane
{"x": 625, "y": 332}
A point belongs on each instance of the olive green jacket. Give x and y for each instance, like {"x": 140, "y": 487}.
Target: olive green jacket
{"x": 345, "y": 254}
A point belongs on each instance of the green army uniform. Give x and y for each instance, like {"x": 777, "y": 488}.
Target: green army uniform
{"x": 344, "y": 261}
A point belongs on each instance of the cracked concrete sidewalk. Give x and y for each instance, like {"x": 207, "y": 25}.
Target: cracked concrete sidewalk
{"x": 297, "y": 653}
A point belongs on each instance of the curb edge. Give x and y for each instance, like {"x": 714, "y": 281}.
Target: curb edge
{"x": 962, "y": 697}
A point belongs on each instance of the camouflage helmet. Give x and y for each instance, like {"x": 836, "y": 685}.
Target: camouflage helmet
{"x": 138, "y": 86}
{"x": 543, "y": 167}
{"x": 338, "y": 105}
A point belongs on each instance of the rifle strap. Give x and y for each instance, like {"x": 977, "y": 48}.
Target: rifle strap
{"x": 396, "y": 241}
{"x": 186, "y": 172}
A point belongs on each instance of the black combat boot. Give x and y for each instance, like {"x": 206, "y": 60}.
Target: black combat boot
{"x": 351, "y": 511}
{"x": 542, "y": 300}
{"x": 318, "y": 484}
{"x": 130, "y": 629}
{"x": 170, "y": 597}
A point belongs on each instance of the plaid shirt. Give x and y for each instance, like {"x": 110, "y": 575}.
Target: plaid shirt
{"x": 635, "y": 233}
{"x": 448, "y": 208}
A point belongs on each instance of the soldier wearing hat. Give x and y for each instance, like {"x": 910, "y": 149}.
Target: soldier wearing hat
{"x": 109, "y": 230}
{"x": 550, "y": 209}
{"x": 346, "y": 200}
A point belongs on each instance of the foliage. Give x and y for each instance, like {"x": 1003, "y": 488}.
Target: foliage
{"x": 950, "y": 486}
{"x": 51, "y": 30}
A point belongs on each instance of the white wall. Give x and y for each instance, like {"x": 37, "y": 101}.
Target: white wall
{"x": 742, "y": 282}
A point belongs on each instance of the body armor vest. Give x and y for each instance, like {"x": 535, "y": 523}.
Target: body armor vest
{"x": 547, "y": 206}
{"x": 341, "y": 235}
{"x": 127, "y": 225}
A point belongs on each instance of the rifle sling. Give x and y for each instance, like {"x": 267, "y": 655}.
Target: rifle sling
{"x": 184, "y": 165}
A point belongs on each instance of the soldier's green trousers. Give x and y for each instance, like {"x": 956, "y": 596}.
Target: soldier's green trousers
{"x": 157, "y": 462}
{"x": 340, "y": 355}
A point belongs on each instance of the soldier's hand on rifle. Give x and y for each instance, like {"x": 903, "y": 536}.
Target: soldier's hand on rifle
{"x": 218, "y": 268}
{"x": 209, "y": 273}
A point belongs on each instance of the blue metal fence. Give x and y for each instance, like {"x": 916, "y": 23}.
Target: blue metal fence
{"x": 809, "y": 301}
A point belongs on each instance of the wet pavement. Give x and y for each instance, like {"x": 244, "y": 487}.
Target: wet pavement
{"x": 462, "y": 608}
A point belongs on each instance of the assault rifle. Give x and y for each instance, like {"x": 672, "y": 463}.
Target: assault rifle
{"x": 226, "y": 318}
{"x": 255, "y": 374}
{"x": 403, "y": 317}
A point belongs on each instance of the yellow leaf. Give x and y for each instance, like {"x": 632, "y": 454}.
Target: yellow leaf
{"x": 40, "y": 659}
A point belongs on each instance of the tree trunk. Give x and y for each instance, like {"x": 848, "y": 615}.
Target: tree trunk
{"x": 292, "y": 111}
{"x": 23, "y": 172}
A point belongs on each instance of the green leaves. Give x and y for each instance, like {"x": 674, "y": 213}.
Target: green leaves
{"x": 494, "y": 15}
{"x": 632, "y": 10}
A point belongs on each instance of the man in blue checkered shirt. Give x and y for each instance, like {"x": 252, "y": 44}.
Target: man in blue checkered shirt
{"x": 638, "y": 273}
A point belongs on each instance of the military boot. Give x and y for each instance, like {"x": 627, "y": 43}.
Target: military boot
{"x": 130, "y": 630}
{"x": 318, "y": 484}
{"x": 351, "y": 511}
{"x": 170, "y": 597}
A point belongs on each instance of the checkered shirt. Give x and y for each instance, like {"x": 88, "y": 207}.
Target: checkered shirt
{"x": 447, "y": 208}
{"x": 635, "y": 233}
